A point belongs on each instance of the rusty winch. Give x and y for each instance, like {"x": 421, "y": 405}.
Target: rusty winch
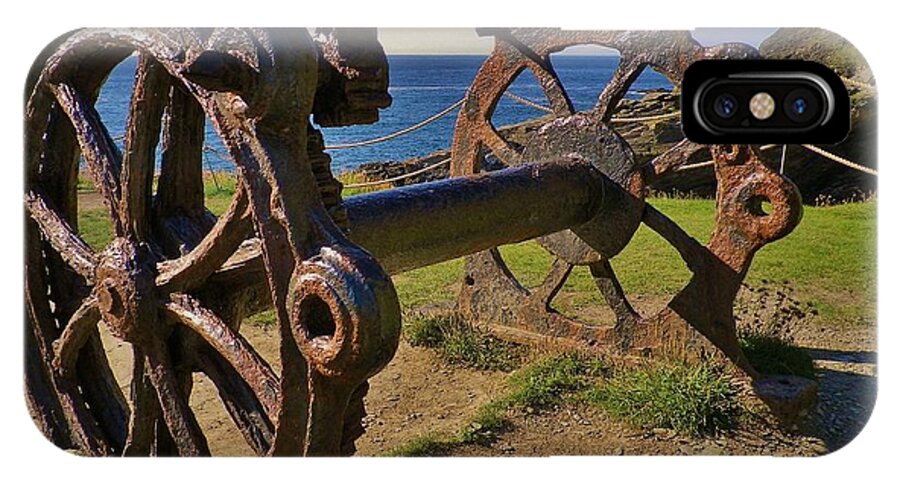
{"x": 176, "y": 281}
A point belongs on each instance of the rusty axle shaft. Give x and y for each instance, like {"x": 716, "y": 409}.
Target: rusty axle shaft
{"x": 419, "y": 225}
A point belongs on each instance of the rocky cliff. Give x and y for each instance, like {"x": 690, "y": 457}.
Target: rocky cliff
{"x": 820, "y": 180}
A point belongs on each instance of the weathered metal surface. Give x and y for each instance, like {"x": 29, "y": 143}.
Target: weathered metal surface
{"x": 699, "y": 320}
{"x": 258, "y": 88}
{"x": 419, "y": 225}
{"x": 176, "y": 282}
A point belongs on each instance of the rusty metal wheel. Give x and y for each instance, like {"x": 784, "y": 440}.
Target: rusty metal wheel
{"x": 149, "y": 287}
{"x": 491, "y": 293}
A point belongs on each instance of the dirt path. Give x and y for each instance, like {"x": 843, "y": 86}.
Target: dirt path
{"x": 418, "y": 394}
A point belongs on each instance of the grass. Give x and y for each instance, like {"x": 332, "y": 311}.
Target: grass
{"x": 691, "y": 399}
{"x": 460, "y": 343}
{"x": 546, "y": 382}
{"x": 349, "y": 178}
{"x": 695, "y": 400}
{"x": 429, "y": 445}
{"x": 829, "y": 259}
{"x": 772, "y": 355}
{"x": 542, "y": 384}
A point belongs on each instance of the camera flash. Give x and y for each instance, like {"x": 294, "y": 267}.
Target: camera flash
{"x": 762, "y": 106}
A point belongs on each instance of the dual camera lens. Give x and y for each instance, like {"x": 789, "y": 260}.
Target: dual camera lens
{"x": 799, "y": 105}
{"x": 763, "y": 101}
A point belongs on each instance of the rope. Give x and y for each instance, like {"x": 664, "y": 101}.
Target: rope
{"x": 783, "y": 157}
{"x": 842, "y": 161}
{"x": 400, "y": 177}
{"x": 528, "y": 103}
{"x": 857, "y": 83}
{"x": 210, "y": 148}
{"x": 812, "y": 148}
{"x": 651, "y": 118}
{"x": 398, "y": 133}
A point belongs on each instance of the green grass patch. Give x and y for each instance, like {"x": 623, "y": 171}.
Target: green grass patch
{"x": 218, "y": 188}
{"x": 350, "y": 178}
{"x": 829, "y": 259}
{"x": 429, "y": 445}
{"x": 95, "y": 227}
{"x": 691, "y": 399}
{"x": 262, "y": 319}
{"x": 774, "y": 356}
{"x": 546, "y": 382}
{"x": 460, "y": 343}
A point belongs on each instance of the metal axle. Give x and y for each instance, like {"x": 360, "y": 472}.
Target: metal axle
{"x": 419, "y": 225}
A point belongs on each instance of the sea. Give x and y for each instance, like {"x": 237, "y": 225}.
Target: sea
{"x": 421, "y": 86}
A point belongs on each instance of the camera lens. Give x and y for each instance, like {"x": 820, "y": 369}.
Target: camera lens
{"x": 725, "y": 105}
{"x": 801, "y": 105}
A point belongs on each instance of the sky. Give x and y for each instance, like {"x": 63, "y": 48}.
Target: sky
{"x": 399, "y": 41}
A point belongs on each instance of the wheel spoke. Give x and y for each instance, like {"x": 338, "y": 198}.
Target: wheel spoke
{"x": 501, "y": 148}
{"x": 240, "y": 401}
{"x": 41, "y": 330}
{"x": 233, "y": 347}
{"x": 328, "y": 402}
{"x": 144, "y": 410}
{"x": 625, "y": 75}
{"x": 73, "y": 250}
{"x": 191, "y": 270}
{"x": 692, "y": 252}
{"x": 179, "y": 204}
{"x": 77, "y": 332}
{"x": 609, "y": 286}
{"x": 142, "y": 134}
{"x": 668, "y": 161}
{"x": 100, "y": 152}
{"x": 552, "y": 87}
{"x": 554, "y": 282}
{"x": 176, "y": 412}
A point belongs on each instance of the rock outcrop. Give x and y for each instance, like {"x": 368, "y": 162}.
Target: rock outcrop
{"x": 820, "y": 180}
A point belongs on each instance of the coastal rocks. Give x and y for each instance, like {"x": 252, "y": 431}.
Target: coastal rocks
{"x": 818, "y": 45}
{"x": 820, "y": 180}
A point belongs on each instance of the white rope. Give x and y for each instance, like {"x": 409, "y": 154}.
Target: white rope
{"x": 842, "y": 161}
{"x": 400, "y": 177}
{"x": 528, "y": 103}
{"x": 857, "y": 83}
{"x": 812, "y": 148}
{"x": 783, "y": 155}
{"x": 651, "y": 118}
{"x": 398, "y": 133}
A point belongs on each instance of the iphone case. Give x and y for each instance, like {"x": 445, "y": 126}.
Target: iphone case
{"x": 489, "y": 242}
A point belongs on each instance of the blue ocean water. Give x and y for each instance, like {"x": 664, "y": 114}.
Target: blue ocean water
{"x": 421, "y": 85}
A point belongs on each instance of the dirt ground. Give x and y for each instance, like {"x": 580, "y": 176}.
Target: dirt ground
{"x": 419, "y": 394}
